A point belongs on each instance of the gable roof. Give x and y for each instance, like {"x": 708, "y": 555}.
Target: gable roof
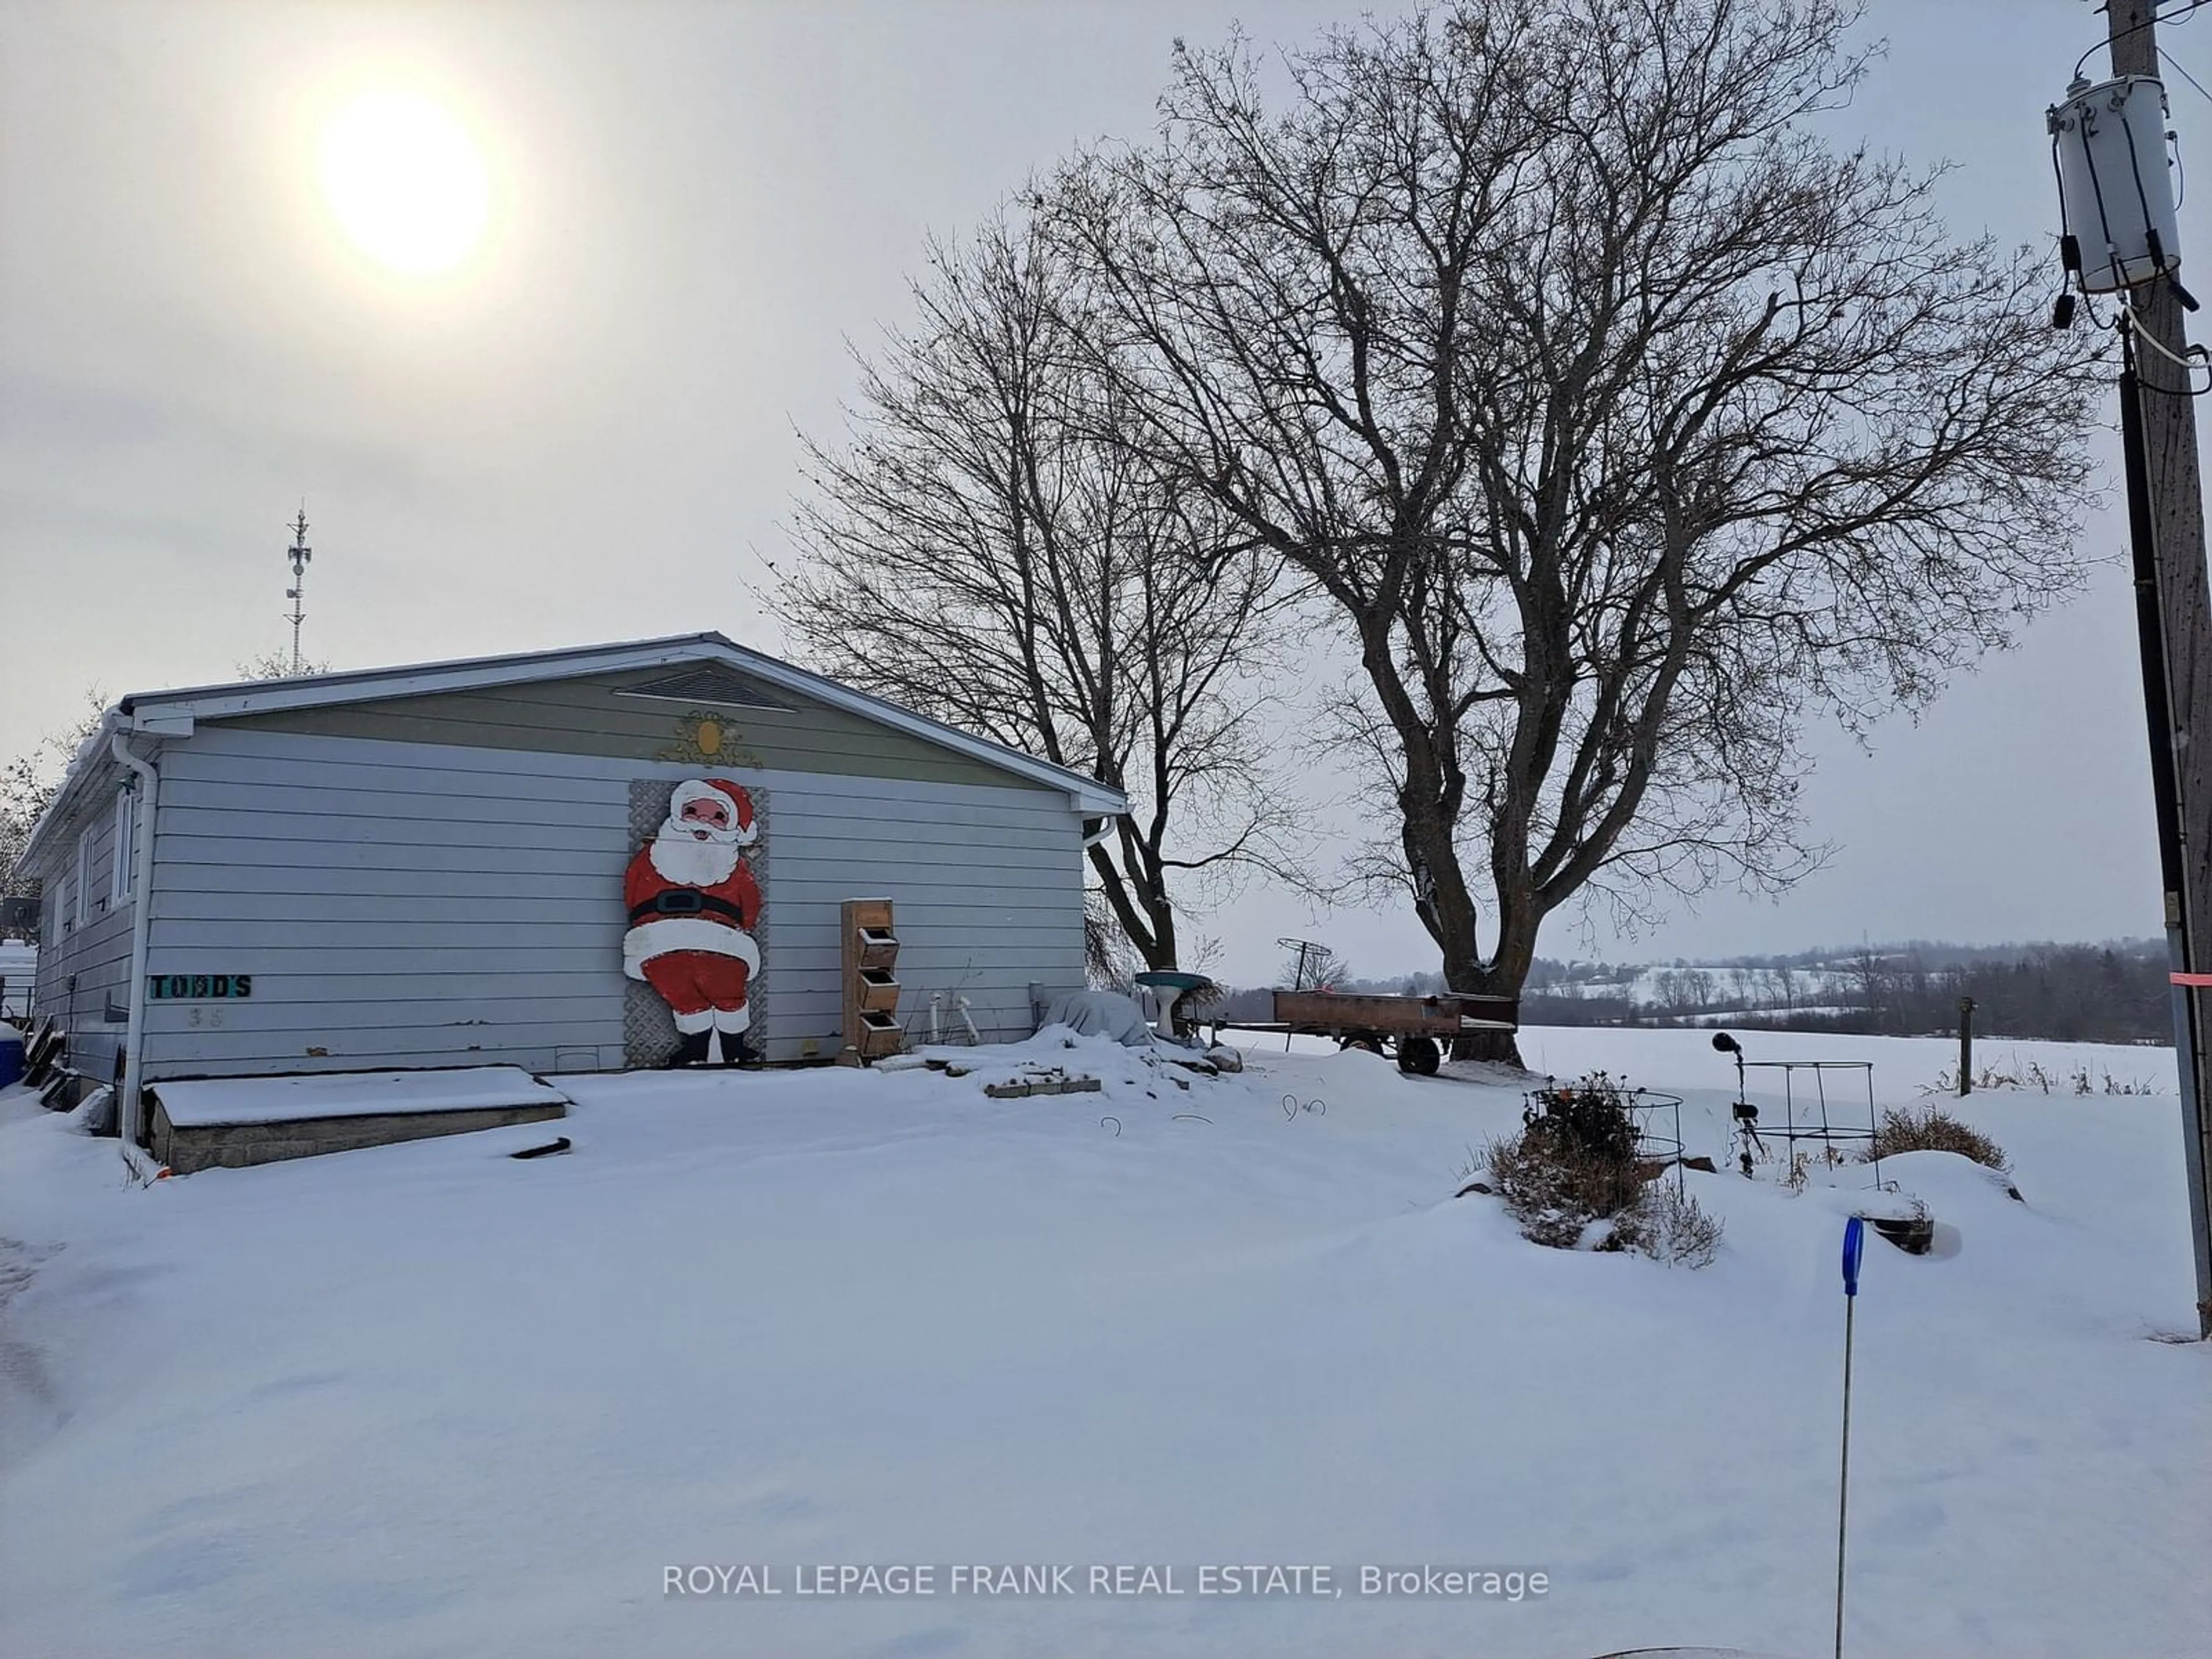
{"x": 174, "y": 713}
{"x": 170, "y": 711}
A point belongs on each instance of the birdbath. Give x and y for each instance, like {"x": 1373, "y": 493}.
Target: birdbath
{"x": 1182, "y": 985}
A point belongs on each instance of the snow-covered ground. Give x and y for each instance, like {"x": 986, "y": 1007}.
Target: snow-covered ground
{"x": 430, "y": 1400}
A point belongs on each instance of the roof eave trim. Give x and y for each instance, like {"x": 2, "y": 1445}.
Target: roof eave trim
{"x": 280, "y": 696}
{"x": 173, "y": 713}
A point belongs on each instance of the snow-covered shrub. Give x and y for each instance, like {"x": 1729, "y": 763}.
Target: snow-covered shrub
{"x": 1932, "y": 1129}
{"x": 1571, "y": 1181}
{"x": 1567, "y": 1198}
{"x": 1555, "y": 1187}
{"x": 1669, "y": 1226}
{"x": 1573, "y": 1164}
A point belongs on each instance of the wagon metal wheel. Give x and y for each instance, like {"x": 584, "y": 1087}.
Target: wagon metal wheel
{"x": 1419, "y": 1055}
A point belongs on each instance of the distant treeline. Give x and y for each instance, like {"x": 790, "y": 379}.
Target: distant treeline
{"x": 2111, "y": 992}
{"x": 2064, "y": 992}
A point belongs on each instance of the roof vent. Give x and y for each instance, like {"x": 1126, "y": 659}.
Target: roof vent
{"x": 708, "y": 683}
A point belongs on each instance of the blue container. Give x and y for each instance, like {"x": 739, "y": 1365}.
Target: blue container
{"x": 11, "y": 1057}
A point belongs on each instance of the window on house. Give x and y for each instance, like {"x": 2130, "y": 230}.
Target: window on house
{"x": 83, "y": 910}
{"x": 127, "y": 840}
{"x": 65, "y": 906}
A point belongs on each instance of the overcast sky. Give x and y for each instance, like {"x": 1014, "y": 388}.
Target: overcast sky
{"x": 586, "y": 433}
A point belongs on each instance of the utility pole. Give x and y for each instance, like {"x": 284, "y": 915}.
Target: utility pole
{"x": 2166, "y": 510}
{"x": 298, "y": 553}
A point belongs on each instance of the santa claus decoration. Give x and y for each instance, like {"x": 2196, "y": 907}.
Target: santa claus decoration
{"x": 692, "y": 907}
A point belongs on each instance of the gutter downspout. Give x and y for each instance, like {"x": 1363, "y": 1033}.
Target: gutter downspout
{"x": 142, "y": 927}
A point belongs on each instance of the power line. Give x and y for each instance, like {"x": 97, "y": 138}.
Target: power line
{"x": 2175, "y": 64}
{"x": 2137, "y": 28}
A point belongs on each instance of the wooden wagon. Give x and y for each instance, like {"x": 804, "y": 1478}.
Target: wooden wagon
{"x": 1413, "y": 1028}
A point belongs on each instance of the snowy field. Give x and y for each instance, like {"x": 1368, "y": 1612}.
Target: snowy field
{"x": 432, "y": 1401}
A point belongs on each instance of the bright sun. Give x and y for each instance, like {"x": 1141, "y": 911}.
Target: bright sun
{"x": 405, "y": 182}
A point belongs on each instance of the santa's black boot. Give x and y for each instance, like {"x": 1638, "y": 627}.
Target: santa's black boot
{"x": 736, "y": 1051}
{"x": 690, "y": 1050}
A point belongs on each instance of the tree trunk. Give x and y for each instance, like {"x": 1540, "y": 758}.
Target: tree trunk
{"x": 1446, "y": 908}
{"x": 1160, "y": 950}
{"x": 1502, "y": 976}
{"x": 1468, "y": 974}
{"x": 1473, "y": 978}
{"x": 1135, "y": 891}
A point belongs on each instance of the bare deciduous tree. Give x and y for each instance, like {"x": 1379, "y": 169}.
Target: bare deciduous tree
{"x": 1625, "y": 422}
{"x": 277, "y": 665}
{"x": 29, "y": 782}
{"x": 987, "y": 549}
{"x": 1313, "y": 967}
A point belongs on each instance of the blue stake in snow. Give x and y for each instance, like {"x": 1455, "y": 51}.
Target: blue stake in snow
{"x": 1854, "y": 1245}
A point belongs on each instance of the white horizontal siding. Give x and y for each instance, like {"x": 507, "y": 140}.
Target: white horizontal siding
{"x": 223, "y": 852}
{"x": 301, "y": 984}
{"x": 226, "y": 1052}
{"x": 564, "y": 827}
{"x": 421, "y": 904}
{"x": 84, "y": 968}
{"x": 184, "y": 886}
{"x": 981, "y": 914}
{"x": 800, "y": 949}
{"x": 308, "y": 929}
{"x": 380, "y": 1013}
{"x": 327, "y": 806}
{"x": 479, "y": 938}
{"x": 430, "y": 919}
{"x": 413, "y": 769}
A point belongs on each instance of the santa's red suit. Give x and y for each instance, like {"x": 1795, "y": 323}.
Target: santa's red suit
{"x": 693, "y": 904}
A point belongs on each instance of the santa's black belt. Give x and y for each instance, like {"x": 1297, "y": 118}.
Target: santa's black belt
{"x": 686, "y": 901}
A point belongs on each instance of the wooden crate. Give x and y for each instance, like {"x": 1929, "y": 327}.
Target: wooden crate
{"x": 879, "y": 1035}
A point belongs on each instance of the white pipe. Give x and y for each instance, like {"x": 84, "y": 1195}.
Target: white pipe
{"x": 142, "y": 928}
{"x": 1105, "y": 829}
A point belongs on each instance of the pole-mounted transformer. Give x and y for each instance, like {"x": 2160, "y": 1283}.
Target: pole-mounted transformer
{"x": 2108, "y": 145}
{"x": 2117, "y": 222}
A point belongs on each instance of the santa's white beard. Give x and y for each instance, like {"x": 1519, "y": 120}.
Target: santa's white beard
{"x": 680, "y": 856}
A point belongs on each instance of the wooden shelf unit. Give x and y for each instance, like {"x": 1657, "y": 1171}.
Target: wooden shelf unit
{"x": 870, "y": 984}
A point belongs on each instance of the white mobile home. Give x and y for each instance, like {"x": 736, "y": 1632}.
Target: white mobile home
{"x": 585, "y": 859}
